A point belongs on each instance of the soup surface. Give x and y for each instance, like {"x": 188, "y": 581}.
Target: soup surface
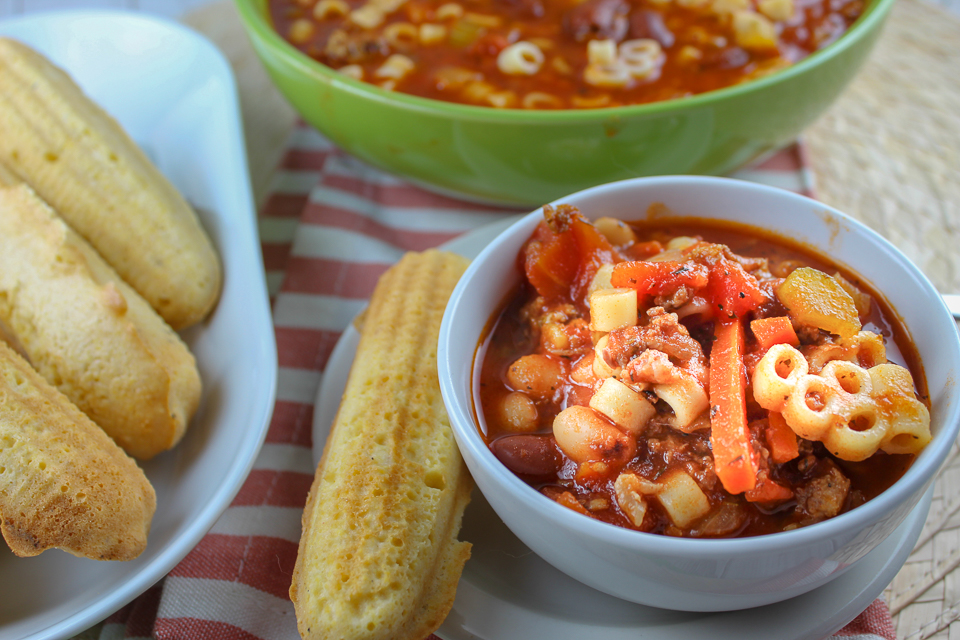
{"x": 691, "y": 379}
{"x": 560, "y": 54}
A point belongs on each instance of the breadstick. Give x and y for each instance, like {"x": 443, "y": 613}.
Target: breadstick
{"x": 379, "y": 555}
{"x": 63, "y": 483}
{"x": 88, "y": 333}
{"x": 80, "y": 161}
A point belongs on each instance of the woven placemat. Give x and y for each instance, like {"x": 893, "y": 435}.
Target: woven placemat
{"x": 887, "y": 152}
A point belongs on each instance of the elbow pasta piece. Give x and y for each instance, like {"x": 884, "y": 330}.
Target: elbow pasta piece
{"x": 852, "y": 410}
{"x": 354, "y": 71}
{"x": 432, "y": 33}
{"x": 601, "y": 52}
{"x": 395, "y": 67}
{"x": 682, "y": 498}
{"x": 401, "y": 35}
{"x": 615, "y": 75}
{"x": 590, "y": 102}
{"x": 330, "y": 9}
{"x": 612, "y": 309}
{"x": 520, "y": 59}
{"x": 367, "y": 17}
{"x": 449, "y": 11}
{"x": 643, "y": 57}
{"x": 625, "y": 407}
{"x": 541, "y": 100}
{"x": 501, "y": 99}
{"x": 686, "y": 397}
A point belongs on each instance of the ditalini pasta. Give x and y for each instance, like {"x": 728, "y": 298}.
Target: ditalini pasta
{"x": 562, "y": 54}
{"x": 697, "y": 380}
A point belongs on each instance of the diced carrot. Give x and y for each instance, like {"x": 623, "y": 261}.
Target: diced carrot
{"x": 643, "y": 250}
{"x": 768, "y": 491}
{"x": 658, "y": 278}
{"x": 550, "y": 262}
{"x": 734, "y": 459}
{"x": 776, "y": 330}
{"x": 594, "y": 249}
{"x": 781, "y": 439}
{"x": 732, "y": 291}
{"x": 564, "y": 254}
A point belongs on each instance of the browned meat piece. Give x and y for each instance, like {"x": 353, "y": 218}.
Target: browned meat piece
{"x": 663, "y": 333}
{"x": 601, "y": 19}
{"x": 649, "y": 24}
{"x": 528, "y": 8}
{"x": 823, "y": 497}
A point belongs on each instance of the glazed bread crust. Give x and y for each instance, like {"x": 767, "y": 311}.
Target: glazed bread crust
{"x": 379, "y": 555}
{"x": 88, "y": 333}
{"x": 80, "y": 161}
{"x": 63, "y": 482}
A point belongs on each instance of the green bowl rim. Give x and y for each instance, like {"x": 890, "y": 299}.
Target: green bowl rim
{"x": 259, "y": 28}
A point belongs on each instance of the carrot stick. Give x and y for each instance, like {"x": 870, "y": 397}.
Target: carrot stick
{"x": 771, "y": 331}
{"x": 733, "y": 457}
{"x": 781, "y": 439}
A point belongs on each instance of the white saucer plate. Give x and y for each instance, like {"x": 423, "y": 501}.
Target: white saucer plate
{"x": 175, "y": 95}
{"x": 507, "y": 591}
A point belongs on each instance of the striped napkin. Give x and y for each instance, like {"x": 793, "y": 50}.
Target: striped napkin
{"x": 328, "y": 230}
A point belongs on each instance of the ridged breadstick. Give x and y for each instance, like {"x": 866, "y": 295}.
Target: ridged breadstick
{"x": 379, "y": 556}
{"x": 64, "y": 483}
{"x": 85, "y": 166}
{"x": 88, "y": 333}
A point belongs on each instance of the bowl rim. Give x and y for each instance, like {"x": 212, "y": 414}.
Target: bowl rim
{"x": 921, "y": 472}
{"x": 259, "y": 28}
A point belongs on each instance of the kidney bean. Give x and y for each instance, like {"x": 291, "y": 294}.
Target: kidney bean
{"x": 534, "y": 456}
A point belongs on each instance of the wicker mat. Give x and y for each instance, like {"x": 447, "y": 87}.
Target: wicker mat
{"x": 888, "y": 153}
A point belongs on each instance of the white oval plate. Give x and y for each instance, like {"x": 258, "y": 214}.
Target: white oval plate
{"x": 507, "y": 591}
{"x": 174, "y": 93}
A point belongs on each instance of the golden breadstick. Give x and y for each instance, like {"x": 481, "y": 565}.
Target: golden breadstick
{"x": 63, "y": 483}
{"x": 78, "y": 159}
{"x": 88, "y": 333}
{"x": 379, "y": 555}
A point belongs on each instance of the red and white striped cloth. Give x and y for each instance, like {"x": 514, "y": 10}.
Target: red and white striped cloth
{"x": 330, "y": 227}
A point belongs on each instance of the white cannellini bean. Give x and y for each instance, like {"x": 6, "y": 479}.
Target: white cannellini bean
{"x": 537, "y": 375}
{"x": 586, "y": 437}
{"x": 519, "y": 412}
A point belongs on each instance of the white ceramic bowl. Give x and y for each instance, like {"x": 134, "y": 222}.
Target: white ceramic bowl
{"x": 689, "y": 574}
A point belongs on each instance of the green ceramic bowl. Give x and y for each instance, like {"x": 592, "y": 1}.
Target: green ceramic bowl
{"x": 526, "y": 158}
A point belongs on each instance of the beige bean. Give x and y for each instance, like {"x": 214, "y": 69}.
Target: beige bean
{"x": 519, "y": 412}
{"x": 586, "y": 437}
{"x": 537, "y": 375}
